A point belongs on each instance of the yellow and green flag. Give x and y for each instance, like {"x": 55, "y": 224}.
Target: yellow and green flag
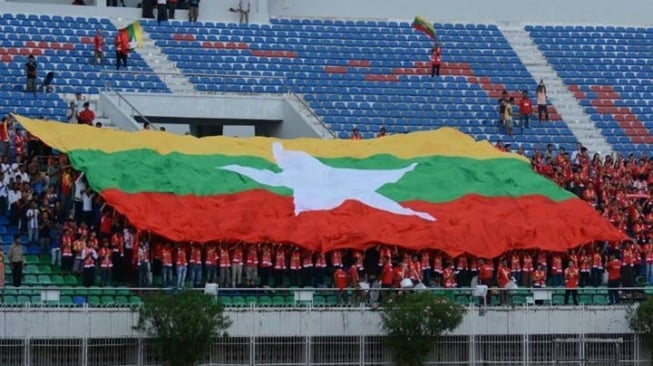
{"x": 422, "y": 25}
{"x": 134, "y": 34}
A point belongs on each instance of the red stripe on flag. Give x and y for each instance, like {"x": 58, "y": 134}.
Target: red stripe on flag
{"x": 481, "y": 226}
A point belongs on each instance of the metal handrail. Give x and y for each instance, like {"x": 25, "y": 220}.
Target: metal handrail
{"x": 108, "y": 86}
{"x": 313, "y": 114}
{"x": 319, "y": 289}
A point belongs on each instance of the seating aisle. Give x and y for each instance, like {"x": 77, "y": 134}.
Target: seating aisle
{"x": 609, "y": 71}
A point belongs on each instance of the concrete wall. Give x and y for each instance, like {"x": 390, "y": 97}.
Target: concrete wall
{"x": 209, "y": 9}
{"x": 74, "y": 323}
{"x": 630, "y": 12}
{"x": 474, "y": 11}
{"x": 265, "y": 111}
{"x": 209, "y": 107}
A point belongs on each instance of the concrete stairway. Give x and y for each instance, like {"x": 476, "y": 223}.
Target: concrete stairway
{"x": 307, "y": 114}
{"x": 176, "y": 81}
{"x": 571, "y": 111}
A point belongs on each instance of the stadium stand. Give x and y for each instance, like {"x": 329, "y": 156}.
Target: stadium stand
{"x": 608, "y": 70}
{"x": 365, "y": 74}
{"x": 64, "y": 46}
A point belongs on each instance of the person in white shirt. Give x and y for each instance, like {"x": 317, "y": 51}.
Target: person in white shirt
{"x": 6, "y": 167}
{"x": 87, "y": 206}
{"x": 32, "y": 216}
{"x": 13, "y": 195}
{"x": 20, "y": 172}
{"x": 7, "y": 179}
{"x": 128, "y": 241}
{"x": 244, "y": 7}
{"x": 79, "y": 102}
{"x": 80, "y": 186}
{"x": 89, "y": 256}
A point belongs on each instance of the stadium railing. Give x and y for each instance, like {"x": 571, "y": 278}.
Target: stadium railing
{"x": 296, "y": 297}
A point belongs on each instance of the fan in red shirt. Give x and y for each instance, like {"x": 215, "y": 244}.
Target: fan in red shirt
{"x": 486, "y": 272}
{"x": 5, "y": 124}
{"x": 86, "y": 116}
{"x": 614, "y": 279}
{"x": 340, "y": 280}
{"x": 571, "y": 283}
{"x": 436, "y": 60}
{"x": 525, "y": 110}
{"x": 98, "y": 50}
{"x": 387, "y": 274}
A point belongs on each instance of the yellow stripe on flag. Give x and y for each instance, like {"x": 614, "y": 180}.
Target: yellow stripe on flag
{"x": 443, "y": 142}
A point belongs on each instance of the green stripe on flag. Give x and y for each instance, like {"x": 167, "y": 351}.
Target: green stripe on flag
{"x": 435, "y": 179}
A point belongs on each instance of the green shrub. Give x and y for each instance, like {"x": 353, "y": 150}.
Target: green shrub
{"x": 414, "y": 320}
{"x": 183, "y": 325}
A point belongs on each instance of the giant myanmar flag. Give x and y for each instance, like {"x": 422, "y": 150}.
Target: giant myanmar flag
{"x": 436, "y": 189}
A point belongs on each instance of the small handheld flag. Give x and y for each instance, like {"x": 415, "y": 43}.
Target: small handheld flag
{"x": 420, "y": 24}
{"x": 134, "y": 33}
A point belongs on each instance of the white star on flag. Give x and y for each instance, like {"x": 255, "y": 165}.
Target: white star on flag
{"x": 317, "y": 186}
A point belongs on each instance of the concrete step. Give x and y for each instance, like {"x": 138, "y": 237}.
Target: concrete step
{"x": 176, "y": 81}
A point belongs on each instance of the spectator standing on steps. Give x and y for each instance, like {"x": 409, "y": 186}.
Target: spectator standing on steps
{"x": 161, "y": 11}
{"x": 193, "y": 10}
{"x": 122, "y": 50}
{"x": 244, "y": 7}
{"x": 98, "y": 51}
{"x": 31, "y": 72}
{"x": 525, "y": 110}
{"x": 436, "y": 60}
{"x": 71, "y": 113}
{"x": 507, "y": 118}
{"x": 503, "y": 101}
{"x": 16, "y": 260}
{"x": 172, "y": 6}
{"x": 540, "y": 94}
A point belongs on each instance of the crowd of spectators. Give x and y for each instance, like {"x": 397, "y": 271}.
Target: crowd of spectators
{"x": 53, "y": 205}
